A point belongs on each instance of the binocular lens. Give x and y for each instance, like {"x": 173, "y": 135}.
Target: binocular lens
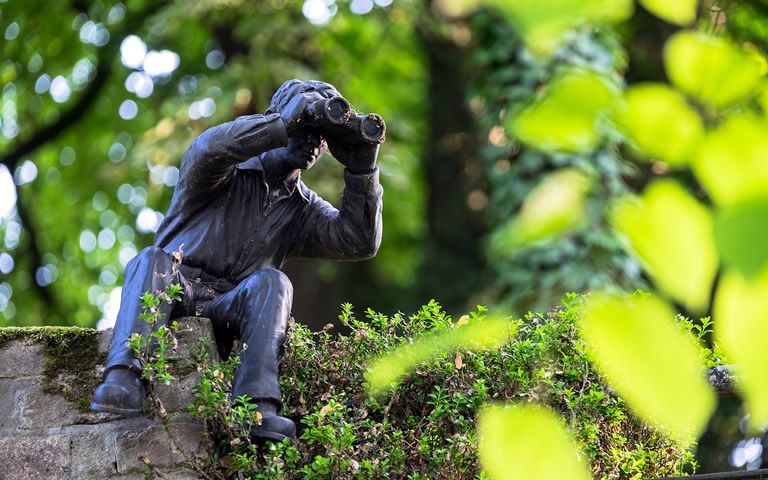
{"x": 337, "y": 109}
{"x": 372, "y": 128}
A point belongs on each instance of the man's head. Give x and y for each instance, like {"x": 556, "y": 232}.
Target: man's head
{"x": 303, "y": 150}
{"x": 291, "y": 88}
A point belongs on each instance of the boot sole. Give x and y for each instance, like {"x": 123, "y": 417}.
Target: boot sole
{"x": 126, "y": 412}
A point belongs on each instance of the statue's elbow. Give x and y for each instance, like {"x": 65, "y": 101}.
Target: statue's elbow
{"x": 370, "y": 248}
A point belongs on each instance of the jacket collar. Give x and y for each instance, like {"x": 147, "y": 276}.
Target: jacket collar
{"x": 293, "y": 185}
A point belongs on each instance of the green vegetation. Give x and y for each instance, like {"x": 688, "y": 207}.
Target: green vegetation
{"x": 425, "y": 426}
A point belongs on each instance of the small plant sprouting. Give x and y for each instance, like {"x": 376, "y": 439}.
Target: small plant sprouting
{"x": 152, "y": 349}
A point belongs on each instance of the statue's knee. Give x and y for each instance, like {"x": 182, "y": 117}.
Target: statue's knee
{"x": 151, "y": 257}
{"x": 152, "y": 253}
{"x": 273, "y": 280}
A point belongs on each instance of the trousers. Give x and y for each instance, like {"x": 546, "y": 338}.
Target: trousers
{"x": 255, "y": 311}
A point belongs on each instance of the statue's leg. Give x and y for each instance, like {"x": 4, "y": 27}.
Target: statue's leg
{"x": 150, "y": 271}
{"x": 258, "y": 308}
{"x": 122, "y": 391}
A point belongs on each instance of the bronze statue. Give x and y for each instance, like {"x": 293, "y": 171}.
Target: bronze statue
{"x": 239, "y": 211}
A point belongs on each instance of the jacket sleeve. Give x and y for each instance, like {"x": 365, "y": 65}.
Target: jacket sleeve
{"x": 208, "y": 164}
{"x": 351, "y": 233}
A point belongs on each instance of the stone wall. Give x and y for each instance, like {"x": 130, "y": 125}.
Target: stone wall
{"x": 46, "y": 431}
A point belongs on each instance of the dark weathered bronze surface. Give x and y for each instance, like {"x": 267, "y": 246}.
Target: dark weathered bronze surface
{"x": 238, "y": 212}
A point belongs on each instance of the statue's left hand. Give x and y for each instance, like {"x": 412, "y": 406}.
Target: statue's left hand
{"x": 358, "y": 158}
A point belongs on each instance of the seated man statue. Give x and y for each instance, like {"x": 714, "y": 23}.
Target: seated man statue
{"x": 238, "y": 212}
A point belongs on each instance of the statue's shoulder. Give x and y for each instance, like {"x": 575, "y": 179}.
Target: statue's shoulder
{"x": 306, "y": 193}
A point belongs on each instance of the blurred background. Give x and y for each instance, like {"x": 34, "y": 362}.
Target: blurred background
{"x": 100, "y": 99}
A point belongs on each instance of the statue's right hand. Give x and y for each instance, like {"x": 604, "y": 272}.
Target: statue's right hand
{"x": 294, "y": 112}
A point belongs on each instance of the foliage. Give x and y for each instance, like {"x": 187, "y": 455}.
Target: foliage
{"x": 108, "y": 176}
{"x": 425, "y": 427}
{"x": 586, "y": 254}
{"x": 668, "y": 230}
{"x": 152, "y": 349}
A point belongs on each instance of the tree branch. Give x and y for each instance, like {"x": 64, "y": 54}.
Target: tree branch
{"x": 66, "y": 120}
{"x": 34, "y": 252}
{"x": 90, "y": 95}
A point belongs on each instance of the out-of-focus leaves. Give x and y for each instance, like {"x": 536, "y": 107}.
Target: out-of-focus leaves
{"x": 480, "y": 334}
{"x": 741, "y": 331}
{"x": 527, "y": 442}
{"x": 680, "y": 12}
{"x": 566, "y": 116}
{"x": 670, "y": 233}
{"x": 711, "y": 69}
{"x": 652, "y": 114}
{"x": 731, "y": 161}
{"x": 652, "y": 363}
{"x": 555, "y": 206}
{"x": 456, "y": 8}
{"x": 543, "y": 23}
{"x": 740, "y": 234}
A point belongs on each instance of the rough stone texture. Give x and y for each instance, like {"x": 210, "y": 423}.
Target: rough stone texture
{"x": 44, "y": 435}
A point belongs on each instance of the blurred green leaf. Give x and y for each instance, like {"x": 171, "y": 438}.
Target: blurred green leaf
{"x": 543, "y": 23}
{"x": 527, "y": 442}
{"x": 479, "y": 334}
{"x": 553, "y": 207}
{"x": 679, "y": 12}
{"x": 671, "y": 234}
{"x": 652, "y": 363}
{"x": 731, "y": 160}
{"x": 565, "y": 116}
{"x": 456, "y": 8}
{"x": 653, "y": 113}
{"x": 740, "y": 234}
{"x": 741, "y": 331}
{"x": 709, "y": 68}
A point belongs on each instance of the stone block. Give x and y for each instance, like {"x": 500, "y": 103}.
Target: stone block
{"x": 153, "y": 445}
{"x": 105, "y": 339}
{"x": 93, "y": 452}
{"x": 177, "y": 396}
{"x": 34, "y": 458}
{"x": 38, "y": 409}
{"x": 21, "y": 358}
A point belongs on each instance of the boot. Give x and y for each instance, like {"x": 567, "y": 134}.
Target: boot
{"x": 273, "y": 426}
{"x": 122, "y": 393}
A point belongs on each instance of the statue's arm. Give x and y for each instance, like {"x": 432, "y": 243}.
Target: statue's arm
{"x": 209, "y": 162}
{"x": 352, "y": 232}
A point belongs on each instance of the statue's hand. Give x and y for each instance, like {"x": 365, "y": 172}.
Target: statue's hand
{"x": 358, "y": 158}
{"x": 294, "y": 112}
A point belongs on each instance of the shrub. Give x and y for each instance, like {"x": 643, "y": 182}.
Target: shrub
{"x": 425, "y": 427}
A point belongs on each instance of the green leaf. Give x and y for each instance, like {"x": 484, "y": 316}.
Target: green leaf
{"x": 741, "y": 331}
{"x": 555, "y": 206}
{"x": 679, "y": 12}
{"x": 731, "y": 160}
{"x": 527, "y": 442}
{"x": 740, "y": 234}
{"x": 456, "y": 8}
{"x": 543, "y": 23}
{"x": 671, "y": 235}
{"x": 651, "y": 362}
{"x": 480, "y": 334}
{"x": 565, "y": 117}
{"x": 709, "y": 68}
{"x": 651, "y": 114}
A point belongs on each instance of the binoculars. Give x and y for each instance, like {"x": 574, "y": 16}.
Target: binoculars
{"x": 334, "y": 118}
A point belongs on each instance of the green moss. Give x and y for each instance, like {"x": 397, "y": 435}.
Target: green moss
{"x": 72, "y": 354}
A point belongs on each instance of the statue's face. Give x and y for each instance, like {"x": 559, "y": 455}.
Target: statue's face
{"x": 303, "y": 151}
